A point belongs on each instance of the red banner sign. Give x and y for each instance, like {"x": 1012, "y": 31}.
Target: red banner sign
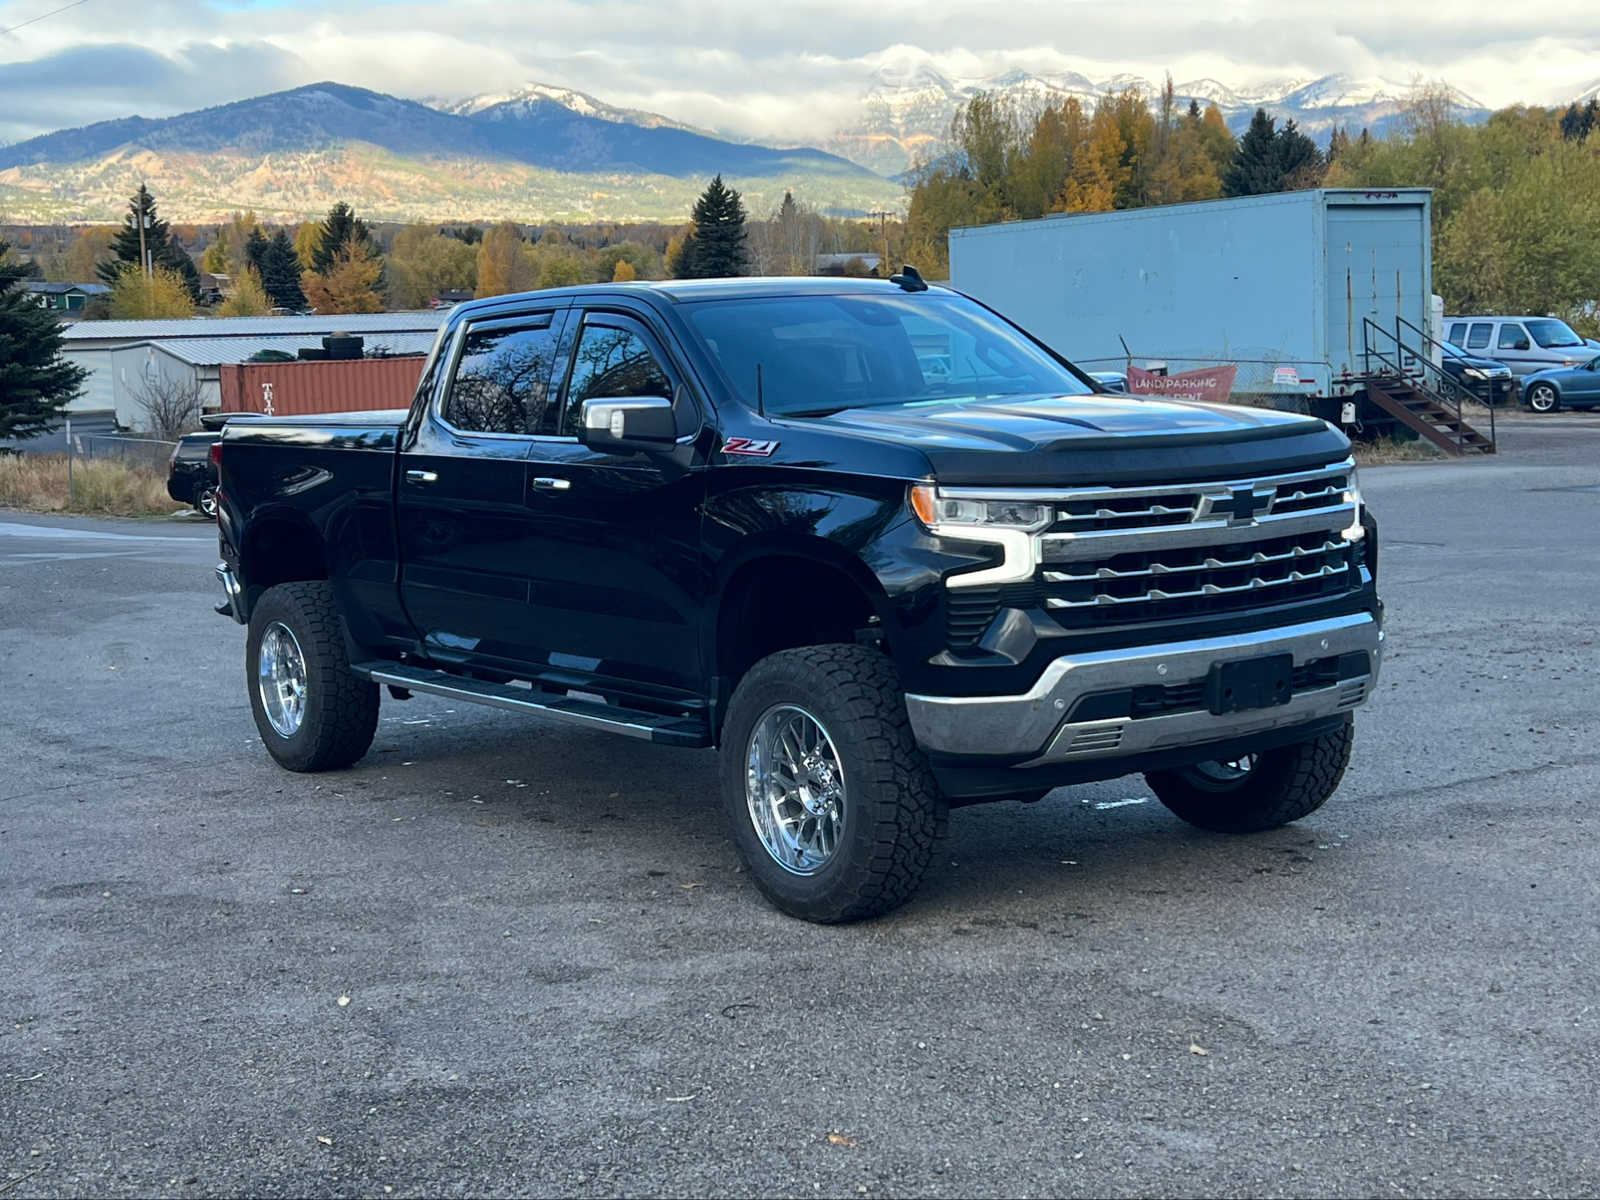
{"x": 1213, "y": 384}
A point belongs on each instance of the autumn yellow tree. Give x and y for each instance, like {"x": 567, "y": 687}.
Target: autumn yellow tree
{"x": 163, "y": 293}
{"x": 249, "y": 298}
{"x": 306, "y": 240}
{"x": 503, "y": 263}
{"x": 87, "y": 250}
{"x": 1097, "y": 168}
{"x": 350, "y": 284}
{"x": 624, "y": 272}
{"x": 422, "y": 263}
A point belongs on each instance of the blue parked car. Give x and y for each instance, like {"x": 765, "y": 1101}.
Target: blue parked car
{"x": 1564, "y": 387}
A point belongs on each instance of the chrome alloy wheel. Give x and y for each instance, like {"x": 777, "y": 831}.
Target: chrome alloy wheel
{"x": 1542, "y": 398}
{"x": 795, "y": 789}
{"x": 1221, "y": 776}
{"x": 281, "y": 679}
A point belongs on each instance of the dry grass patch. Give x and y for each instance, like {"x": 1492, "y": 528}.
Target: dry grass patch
{"x": 38, "y": 483}
{"x": 1382, "y": 451}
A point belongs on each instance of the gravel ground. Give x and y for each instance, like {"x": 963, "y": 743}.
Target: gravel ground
{"x": 503, "y": 955}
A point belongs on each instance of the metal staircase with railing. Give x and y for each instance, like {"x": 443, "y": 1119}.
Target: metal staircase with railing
{"x": 1404, "y": 382}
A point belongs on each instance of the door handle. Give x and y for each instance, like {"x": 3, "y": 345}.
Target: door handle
{"x": 422, "y": 477}
{"x": 545, "y": 483}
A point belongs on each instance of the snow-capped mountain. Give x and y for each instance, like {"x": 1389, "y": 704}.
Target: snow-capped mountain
{"x": 518, "y": 103}
{"x": 906, "y": 110}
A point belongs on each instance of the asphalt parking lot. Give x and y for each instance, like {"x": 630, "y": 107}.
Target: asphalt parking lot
{"x": 506, "y": 956}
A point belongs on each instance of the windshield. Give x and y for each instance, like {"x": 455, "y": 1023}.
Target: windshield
{"x": 1454, "y": 351}
{"x": 819, "y": 354}
{"x": 1551, "y": 333}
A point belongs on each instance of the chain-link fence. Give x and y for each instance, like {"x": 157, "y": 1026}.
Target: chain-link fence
{"x": 137, "y": 451}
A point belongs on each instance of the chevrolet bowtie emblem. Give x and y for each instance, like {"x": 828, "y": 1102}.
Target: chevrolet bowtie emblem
{"x": 1241, "y": 505}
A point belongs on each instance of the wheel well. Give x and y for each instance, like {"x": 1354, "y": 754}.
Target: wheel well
{"x": 278, "y": 551}
{"x": 779, "y": 603}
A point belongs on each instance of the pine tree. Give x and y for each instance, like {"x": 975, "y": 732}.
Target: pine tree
{"x": 716, "y": 248}
{"x": 1572, "y": 123}
{"x": 1194, "y": 109}
{"x": 279, "y": 268}
{"x": 1270, "y": 159}
{"x": 1254, "y": 169}
{"x": 255, "y": 251}
{"x": 35, "y": 382}
{"x": 158, "y": 243}
{"x": 337, "y": 232}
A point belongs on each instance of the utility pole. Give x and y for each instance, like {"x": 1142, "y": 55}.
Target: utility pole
{"x": 144, "y": 217}
{"x": 883, "y": 230}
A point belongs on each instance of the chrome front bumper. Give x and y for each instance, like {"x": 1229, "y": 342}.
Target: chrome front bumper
{"x": 1036, "y": 725}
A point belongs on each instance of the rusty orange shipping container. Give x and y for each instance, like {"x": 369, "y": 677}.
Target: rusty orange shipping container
{"x": 298, "y": 389}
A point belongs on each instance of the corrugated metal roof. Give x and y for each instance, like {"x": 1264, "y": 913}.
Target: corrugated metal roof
{"x": 204, "y": 352}
{"x": 256, "y": 327}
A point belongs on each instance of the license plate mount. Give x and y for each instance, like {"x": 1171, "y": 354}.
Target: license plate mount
{"x": 1264, "y": 682}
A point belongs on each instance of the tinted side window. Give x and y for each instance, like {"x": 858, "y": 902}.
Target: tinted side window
{"x": 1478, "y": 337}
{"x": 502, "y": 381}
{"x": 611, "y": 362}
{"x": 1458, "y": 332}
{"x": 1512, "y": 337}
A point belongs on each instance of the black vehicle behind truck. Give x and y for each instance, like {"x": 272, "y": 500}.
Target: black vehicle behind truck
{"x": 885, "y": 550}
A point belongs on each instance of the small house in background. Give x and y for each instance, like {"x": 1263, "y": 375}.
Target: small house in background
{"x": 857, "y": 265}
{"x": 65, "y": 297}
{"x": 214, "y": 287}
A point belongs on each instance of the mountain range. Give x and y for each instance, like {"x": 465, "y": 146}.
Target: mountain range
{"x": 544, "y": 152}
{"x": 907, "y": 108}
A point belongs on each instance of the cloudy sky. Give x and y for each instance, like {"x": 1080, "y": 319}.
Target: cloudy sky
{"x": 789, "y": 68}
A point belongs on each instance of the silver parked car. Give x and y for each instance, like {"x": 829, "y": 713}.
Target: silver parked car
{"x": 1525, "y": 344}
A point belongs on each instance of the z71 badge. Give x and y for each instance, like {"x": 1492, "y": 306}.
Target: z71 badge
{"x": 761, "y": 449}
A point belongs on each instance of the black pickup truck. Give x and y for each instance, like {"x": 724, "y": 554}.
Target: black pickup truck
{"x": 887, "y": 551}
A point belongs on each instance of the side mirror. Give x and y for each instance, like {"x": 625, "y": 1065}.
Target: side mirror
{"x": 1522, "y": 344}
{"x": 628, "y": 423}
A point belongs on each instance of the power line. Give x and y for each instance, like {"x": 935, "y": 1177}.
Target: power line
{"x": 42, "y": 16}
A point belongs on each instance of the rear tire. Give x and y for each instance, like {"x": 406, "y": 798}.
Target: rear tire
{"x": 205, "y": 500}
{"x": 1277, "y": 787}
{"x": 820, "y": 770}
{"x": 1542, "y": 398}
{"x": 313, "y": 714}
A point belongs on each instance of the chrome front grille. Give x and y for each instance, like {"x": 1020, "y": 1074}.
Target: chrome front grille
{"x": 1132, "y": 555}
{"x": 1123, "y": 555}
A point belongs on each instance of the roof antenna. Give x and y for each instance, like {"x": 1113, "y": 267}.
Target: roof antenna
{"x": 761, "y": 403}
{"x": 909, "y": 279}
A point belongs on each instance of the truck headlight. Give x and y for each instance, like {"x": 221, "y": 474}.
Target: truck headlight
{"x": 937, "y": 511}
{"x": 1355, "y": 531}
{"x": 1008, "y": 524}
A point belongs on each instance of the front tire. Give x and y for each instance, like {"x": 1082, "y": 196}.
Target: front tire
{"x": 1261, "y": 792}
{"x": 1543, "y": 398}
{"x": 313, "y": 714}
{"x": 831, "y": 803}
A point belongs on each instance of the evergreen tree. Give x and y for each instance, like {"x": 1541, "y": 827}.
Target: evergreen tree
{"x": 716, "y": 248}
{"x": 1270, "y": 159}
{"x": 338, "y": 232}
{"x": 1194, "y": 109}
{"x": 1338, "y": 143}
{"x": 1254, "y": 169}
{"x": 279, "y": 268}
{"x": 35, "y": 382}
{"x": 164, "y": 251}
{"x": 255, "y": 251}
{"x": 1572, "y": 123}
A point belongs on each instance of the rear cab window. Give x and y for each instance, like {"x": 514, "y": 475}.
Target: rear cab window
{"x": 1478, "y": 335}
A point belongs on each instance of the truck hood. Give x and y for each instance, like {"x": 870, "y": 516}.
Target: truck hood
{"x": 1051, "y": 439}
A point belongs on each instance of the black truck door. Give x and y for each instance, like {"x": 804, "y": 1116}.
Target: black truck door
{"x": 467, "y": 530}
{"x": 617, "y": 557}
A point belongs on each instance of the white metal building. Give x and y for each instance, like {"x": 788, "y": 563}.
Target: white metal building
{"x": 200, "y": 344}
